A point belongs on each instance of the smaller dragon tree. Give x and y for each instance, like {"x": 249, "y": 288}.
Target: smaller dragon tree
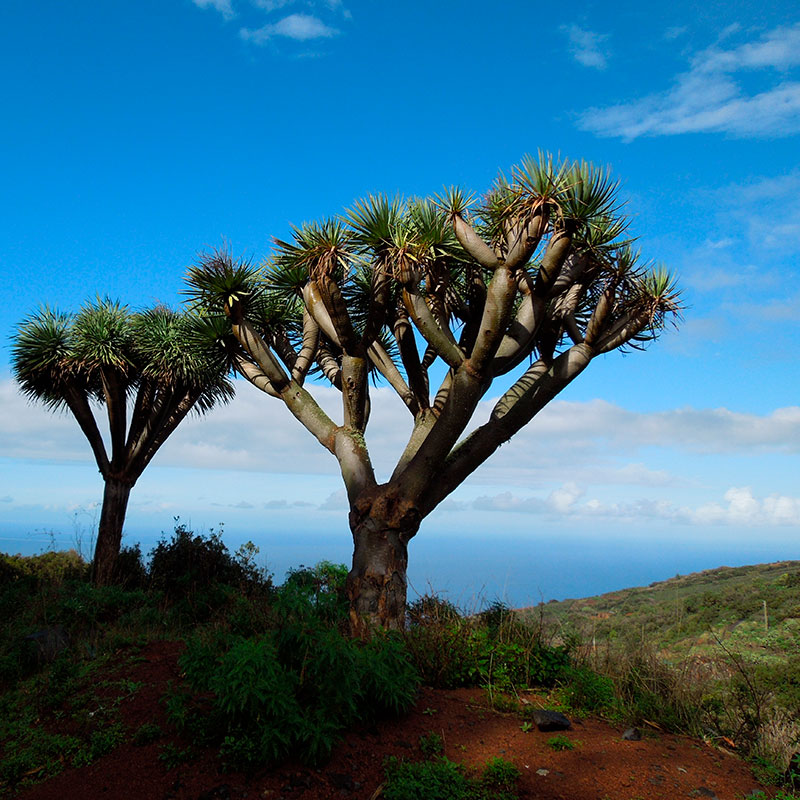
{"x": 147, "y": 369}
{"x": 438, "y": 298}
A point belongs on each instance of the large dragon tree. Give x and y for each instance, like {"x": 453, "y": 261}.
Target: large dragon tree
{"x": 438, "y": 298}
{"x": 147, "y": 369}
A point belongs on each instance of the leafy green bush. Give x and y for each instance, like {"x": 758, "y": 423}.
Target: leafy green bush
{"x": 496, "y": 649}
{"x": 430, "y": 609}
{"x": 441, "y": 779}
{"x": 49, "y": 568}
{"x": 500, "y": 774}
{"x": 317, "y": 591}
{"x": 431, "y": 744}
{"x": 292, "y": 690}
{"x": 583, "y": 689}
{"x": 130, "y": 571}
{"x": 195, "y": 573}
{"x": 561, "y": 742}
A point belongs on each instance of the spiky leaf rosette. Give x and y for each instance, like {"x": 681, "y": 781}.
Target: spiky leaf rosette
{"x": 41, "y": 357}
{"x": 183, "y": 353}
{"x": 220, "y": 284}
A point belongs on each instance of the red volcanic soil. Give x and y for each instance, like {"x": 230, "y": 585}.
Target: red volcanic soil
{"x": 602, "y": 766}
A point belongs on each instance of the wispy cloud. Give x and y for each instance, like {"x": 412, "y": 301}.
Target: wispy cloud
{"x": 300, "y": 27}
{"x": 586, "y": 46}
{"x": 223, "y": 6}
{"x": 707, "y": 98}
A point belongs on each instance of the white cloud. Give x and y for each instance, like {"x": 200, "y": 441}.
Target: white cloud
{"x": 256, "y": 432}
{"x": 739, "y": 507}
{"x": 223, "y": 6}
{"x": 336, "y": 501}
{"x": 300, "y": 27}
{"x": 586, "y": 46}
{"x": 766, "y": 209}
{"x": 707, "y": 98}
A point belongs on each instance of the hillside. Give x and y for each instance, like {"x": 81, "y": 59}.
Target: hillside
{"x": 690, "y": 611}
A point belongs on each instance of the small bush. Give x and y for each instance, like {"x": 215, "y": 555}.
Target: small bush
{"x": 195, "y": 573}
{"x": 500, "y": 774}
{"x": 291, "y": 691}
{"x": 433, "y": 780}
{"x": 45, "y": 568}
{"x": 583, "y": 689}
{"x": 431, "y": 610}
{"x": 495, "y": 650}
{"x": 147, "y": 733}
{"x": 561, "y": 742}
{"x": 441, "y": 779}
{"x": 431, "y": 744}
{"x": 130, "y": 571}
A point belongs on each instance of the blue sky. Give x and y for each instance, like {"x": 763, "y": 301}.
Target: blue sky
{"x": 137, "y": 134}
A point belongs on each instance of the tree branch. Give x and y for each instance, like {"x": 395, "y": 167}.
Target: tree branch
{"x": 384, "y": 364}
{"x": 116, "y": 409}
{"x": 535, "y": 389}
{"x": 255, "y": 376}
{"x": 255, "y": 346}
{"x": 409, "y": 355}
{"x": 474, "y": 244}
{"x": 497, "y": 310}
{"x": 440, "y": 339}
{"x": 308, "y": 352}
{"x": 82, "y": 411}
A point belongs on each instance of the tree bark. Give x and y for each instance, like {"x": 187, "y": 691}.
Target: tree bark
{"x": 382, "y": 525}
{"x": 109, "y": 534}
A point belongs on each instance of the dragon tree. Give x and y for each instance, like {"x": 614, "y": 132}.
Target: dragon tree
{"x": 438, "y": 298}
{"x": 147, "y": 369}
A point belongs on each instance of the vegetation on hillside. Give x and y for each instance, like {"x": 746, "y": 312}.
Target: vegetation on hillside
{"x": 723, "y": 643}
{"x": 269, "y": 672}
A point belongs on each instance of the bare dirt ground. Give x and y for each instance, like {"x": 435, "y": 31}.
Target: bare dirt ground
{"x": 601, "y": 766}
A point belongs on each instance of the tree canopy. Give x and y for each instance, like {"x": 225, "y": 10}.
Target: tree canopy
{"x": 438, "y": 298}
{"x": 146, "y": 369}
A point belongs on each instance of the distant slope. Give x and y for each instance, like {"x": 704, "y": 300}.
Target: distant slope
{"x": 688, "y": 609}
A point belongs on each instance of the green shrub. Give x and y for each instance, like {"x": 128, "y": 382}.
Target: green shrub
{"x": 195, "y": 573}
{"x": 431, "y": 744}
{"x": 583, "y": 689}
{"x": 430, "y": 609}
{"x": 500, "y": 774}
{"x": 291, "y": 691}
{"x": 561, "y": 742}
{"x": 433, "y": 780}
{"x": 317, "y": 591}
{"x": 441, "y": 779}
{"x": 147, "y": 733}
{"x": 45, "y": 568}
{"x": 130, "y": 571}
{"x": 496, "y": 649}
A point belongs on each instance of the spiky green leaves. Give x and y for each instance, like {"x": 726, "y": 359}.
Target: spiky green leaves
{"x": 41, "y": 356}
{"x": 55, "y": 354}
{"x": 221, "y": 284}
{"x": 183, "y": 353}
{"x": 320, "y": 249}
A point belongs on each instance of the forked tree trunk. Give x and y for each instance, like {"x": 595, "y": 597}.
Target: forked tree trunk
{"x": 376, "y": 584}
{"x": 109, "y": 534}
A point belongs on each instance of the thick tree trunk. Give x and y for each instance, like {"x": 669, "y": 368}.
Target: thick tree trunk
{"x": 376, "y": 584}
{"x": 109, "y": 534}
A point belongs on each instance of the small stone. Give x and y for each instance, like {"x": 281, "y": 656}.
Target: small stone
{"x": 550, "y": 720}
